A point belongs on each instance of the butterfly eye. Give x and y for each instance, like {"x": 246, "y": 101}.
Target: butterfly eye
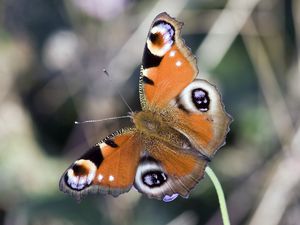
{"x": 200, "y": 99}
{"x": 154, "y": 178}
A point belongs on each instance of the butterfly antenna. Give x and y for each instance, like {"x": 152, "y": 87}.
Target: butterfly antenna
{"x": 119, "y": 93}
{"x": 105, "y": 119}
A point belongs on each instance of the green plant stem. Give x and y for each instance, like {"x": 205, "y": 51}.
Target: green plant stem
{"x": 220, "y": 193}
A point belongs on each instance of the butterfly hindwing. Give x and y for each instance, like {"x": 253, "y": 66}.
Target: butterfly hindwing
{"x": 109, "y": 167}
{"x": 166, "y": 171}
{"x": 202, "y": 116}
{"x": 168, "y": 65}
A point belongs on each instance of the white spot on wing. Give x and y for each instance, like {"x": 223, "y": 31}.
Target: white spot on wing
{"x": 145, "y": 72}
{"x": 100, "y": 177}
{"x": 102, "y": 145}
{"x": 111, "y": 178}
{"x": 178, "y": 63}
{"x": 172, "y": 53}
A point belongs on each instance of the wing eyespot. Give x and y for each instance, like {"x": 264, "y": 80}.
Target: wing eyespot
{"x": 79, "y": 170}
{"x": 156, "y": 39}
{"x": 200, "y": 99}
{"x": 154, "y": 178}
{"x": 160, "y": 39}
{"x": 150, "y": 177}
{"x": 80, "y": 175}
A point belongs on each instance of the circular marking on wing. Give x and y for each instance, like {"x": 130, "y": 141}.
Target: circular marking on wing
{"x": 161, "y": 38}
{"x": 81, "y": 174}
{"x": 100, "y": 177}
{"x": 172, "y": 53}
{"x": 154, "y": 178}
{"x": 111, "y": 178}
{"x": 178, "y": 63}
{"x": 150, "y": 178}
{"x": 201, "y": 99}
{"x": 199, "y": 96}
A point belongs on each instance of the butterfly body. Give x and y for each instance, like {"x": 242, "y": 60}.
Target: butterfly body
{"x": 157, "y": 124}
{"x": 181, "y": 126}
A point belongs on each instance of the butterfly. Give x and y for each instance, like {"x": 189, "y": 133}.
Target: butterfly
{"x": 179, "y": 129}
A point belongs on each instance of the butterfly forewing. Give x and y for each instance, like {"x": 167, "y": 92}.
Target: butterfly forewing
{"x": 108, "y": 167}
{"x": 168, "y": 66}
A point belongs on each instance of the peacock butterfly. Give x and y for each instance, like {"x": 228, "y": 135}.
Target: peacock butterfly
{"x": 181, "y": 126}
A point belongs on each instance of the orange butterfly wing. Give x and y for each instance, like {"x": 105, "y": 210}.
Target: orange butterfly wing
{"x": 201, "y": 117}
{"x": 193, "y": 107}
{"x": 167, "y": 82}
{"x": 109, "y": 167}
{"x": 166, "y": 171}
{"x": 168, "y": 66}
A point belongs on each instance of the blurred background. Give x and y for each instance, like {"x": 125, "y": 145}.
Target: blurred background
{"x": 51, "y": 58}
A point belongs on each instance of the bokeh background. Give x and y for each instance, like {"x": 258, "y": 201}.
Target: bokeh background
{"x": 51, "y": 58}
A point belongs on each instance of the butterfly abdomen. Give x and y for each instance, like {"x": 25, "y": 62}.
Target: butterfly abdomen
{"x": 151, "y": 126}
